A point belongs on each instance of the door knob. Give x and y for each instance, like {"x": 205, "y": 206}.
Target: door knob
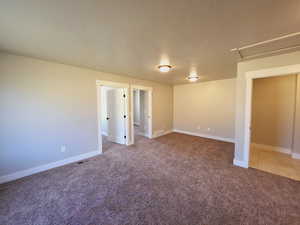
{"x": 107, "y": 118}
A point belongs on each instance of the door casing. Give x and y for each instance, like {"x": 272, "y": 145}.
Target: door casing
{"x": 125, "y": 86}
{"x": 250, "y": 76}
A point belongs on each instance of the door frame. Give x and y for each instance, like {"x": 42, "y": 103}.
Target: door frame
{"x": 250, "y": 76}
{"x": 149, "y": 91}
{"x": 125, "y": 86}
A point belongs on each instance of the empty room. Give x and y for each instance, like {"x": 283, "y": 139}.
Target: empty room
{"x": 153, "y": 112}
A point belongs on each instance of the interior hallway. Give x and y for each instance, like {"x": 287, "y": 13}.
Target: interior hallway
{"x": 275, "y": 162}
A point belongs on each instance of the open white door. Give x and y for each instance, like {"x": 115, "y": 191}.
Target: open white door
{"x": 116, "y": 115}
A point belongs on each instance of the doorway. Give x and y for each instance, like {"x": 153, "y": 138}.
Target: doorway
{"x": 272, "y": 121}
{"x": 112, "y": 99}
{"x": 141, "y": 110}
{"x": 272, "y": 125}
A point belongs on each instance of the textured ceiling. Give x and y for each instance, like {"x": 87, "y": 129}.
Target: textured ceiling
{"x": 132, "y": 37}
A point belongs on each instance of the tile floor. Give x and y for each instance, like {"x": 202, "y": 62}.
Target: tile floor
{"x": 275, "y": 162}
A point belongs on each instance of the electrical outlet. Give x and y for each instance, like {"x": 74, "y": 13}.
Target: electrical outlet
{"x": 208, "y": 129}
{"x": 198, "y": 127}
{"x": 63, "y": 148}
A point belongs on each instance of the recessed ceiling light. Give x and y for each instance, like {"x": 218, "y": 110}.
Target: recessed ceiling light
{"x": 164, "y": 68}
{"x": 192, "y": 78}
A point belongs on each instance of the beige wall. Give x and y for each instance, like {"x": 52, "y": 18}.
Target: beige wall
{"x": 273, "y": 108}
{"x": 200, "y": 106}
{"x": 243, "y": 67}
{"x": 45, "y": 105}
{"x": 296, "y": 144}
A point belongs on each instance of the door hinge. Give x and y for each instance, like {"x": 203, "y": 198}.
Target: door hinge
{"x": 125, "y": 136}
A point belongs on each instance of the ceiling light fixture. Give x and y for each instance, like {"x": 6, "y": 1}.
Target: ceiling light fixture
{"x": 164, "y": 68}
{"x": 192, "y": 78}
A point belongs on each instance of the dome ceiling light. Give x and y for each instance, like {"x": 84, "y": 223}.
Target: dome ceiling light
{"x": 164, "y": 68}
{"x": 193, "y": 78}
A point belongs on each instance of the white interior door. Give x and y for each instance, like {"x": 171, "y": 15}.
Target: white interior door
{"x": 115, "y": 115}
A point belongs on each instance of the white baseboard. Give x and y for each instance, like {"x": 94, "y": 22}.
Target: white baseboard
{"x": 27, "y": 172}
{"x": 272, "y": 148}
{"x": 160, "y": 133}
{"x": 240, "y": 163}
{"x": 296, "y": 155}
{"x": 205, "y": 136}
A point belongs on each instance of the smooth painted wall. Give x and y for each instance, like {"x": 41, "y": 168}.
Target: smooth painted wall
{"x": 242, "y": 68}
{"x": 45, "y": 105}
{"x": 273, "y": 109}
{"x": 206, "y": 108}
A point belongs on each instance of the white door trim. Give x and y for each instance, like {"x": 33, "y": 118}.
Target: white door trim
{"x": 149, "y": 92}
{"x": 99, "y": 84}
{"x": 250, "y": 76}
